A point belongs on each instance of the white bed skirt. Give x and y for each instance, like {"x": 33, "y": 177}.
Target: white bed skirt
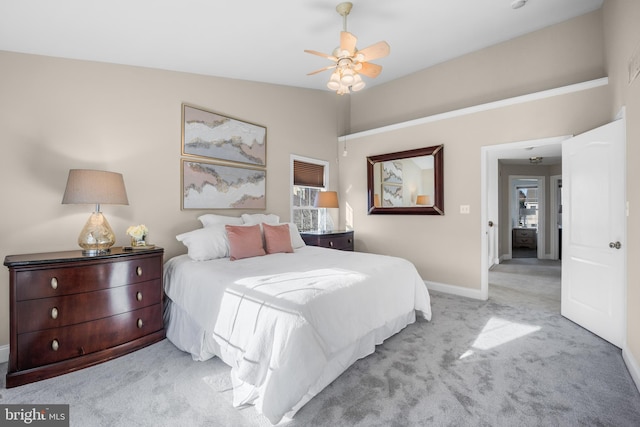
{"x": 202, "y": 346}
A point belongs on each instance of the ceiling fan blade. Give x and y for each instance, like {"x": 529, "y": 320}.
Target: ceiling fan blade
{"x": 348, "y": 42}
{"x": 375, "y": 51}
{"x": 321, "y": 70}
{"x": 324, "y": 55}
{"x": 370, "y": 70}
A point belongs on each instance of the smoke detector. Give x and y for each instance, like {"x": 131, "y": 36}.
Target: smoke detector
{"x": 517, "y": 4}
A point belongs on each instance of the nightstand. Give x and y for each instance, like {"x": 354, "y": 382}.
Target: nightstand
{"x": 69, "y": 311}
{"x": 524, "y": 238}
{"x": 342, "y": 239}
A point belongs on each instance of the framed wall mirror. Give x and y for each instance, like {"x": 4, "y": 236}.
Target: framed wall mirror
{"x": 407, "y": 182}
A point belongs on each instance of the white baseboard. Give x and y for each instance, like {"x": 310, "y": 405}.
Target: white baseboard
{"x": 632, "y": 365}
{"x": 454, "y": 290}
{"x": 4, "y": 353}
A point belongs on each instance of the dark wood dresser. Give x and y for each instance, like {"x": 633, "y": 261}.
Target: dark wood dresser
{"x": 342, "y": 240}
{"x": 525, "y": 238}
{"x": 69, "y": 311}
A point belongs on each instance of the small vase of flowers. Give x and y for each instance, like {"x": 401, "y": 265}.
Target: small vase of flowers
{"x": 138, "y": 234}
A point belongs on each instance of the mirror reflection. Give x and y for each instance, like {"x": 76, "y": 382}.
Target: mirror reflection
{"x": 403, "y": 182}
{"x": 406, "y": 182}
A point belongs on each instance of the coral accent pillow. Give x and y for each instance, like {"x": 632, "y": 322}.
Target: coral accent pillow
{"x": 277, "y": 238}
{"x": 244, "y": 241}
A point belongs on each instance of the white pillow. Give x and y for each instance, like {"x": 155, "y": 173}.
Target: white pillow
{"x": 296, "y": 239}
{"x": 252, "y": 219}
{"x": 206, "y": 243}
{"x": 208, "y": 220}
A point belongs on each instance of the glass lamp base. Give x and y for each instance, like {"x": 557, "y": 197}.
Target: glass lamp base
{"x": 97, "y": 236}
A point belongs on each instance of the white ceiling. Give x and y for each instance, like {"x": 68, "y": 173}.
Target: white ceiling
{"x": 264, "y": 40}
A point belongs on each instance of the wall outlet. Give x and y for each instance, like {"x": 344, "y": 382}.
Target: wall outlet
{"x": 465, "y": 209}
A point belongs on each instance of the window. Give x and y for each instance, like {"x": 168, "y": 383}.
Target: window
{"x": 309, "y": 176}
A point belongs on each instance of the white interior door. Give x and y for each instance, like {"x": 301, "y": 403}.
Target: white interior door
{"x": 594, "y": 252}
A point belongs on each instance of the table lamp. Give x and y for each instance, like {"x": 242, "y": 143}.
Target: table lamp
{"x": 86, "y": 186}
{"x": 326, "y": 199}
{"x": 422, "y": 200}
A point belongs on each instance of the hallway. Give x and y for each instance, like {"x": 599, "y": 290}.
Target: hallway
{"x": 528, "y": 280}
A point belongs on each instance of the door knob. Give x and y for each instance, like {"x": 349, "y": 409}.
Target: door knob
{"x": 490, "y": 223}
{"x": 616, "y": 245}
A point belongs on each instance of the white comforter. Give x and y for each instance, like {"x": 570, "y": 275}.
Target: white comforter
{"x": 279, "y": 320}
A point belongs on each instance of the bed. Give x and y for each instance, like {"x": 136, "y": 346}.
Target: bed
{"x": 289, "y": 323}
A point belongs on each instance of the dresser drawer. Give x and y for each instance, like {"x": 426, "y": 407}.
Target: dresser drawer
{"x": 43, "y": 283}
{"x": 55, "y": 312}
{"x": 337, "y": 242}
{"x": 53, "y": 345}
{"x": 342, "y": 240}
{"x": 524, "y": 241}
{"x": 525, "y": 233}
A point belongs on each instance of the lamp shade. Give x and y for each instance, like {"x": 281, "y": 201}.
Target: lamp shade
{"x": 422, "y": 200}
{"x": 87, "y": 186}
{"x": 326, "y": 199}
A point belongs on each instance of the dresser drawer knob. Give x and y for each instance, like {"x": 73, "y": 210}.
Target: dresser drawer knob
{"x": 139, "y": 271}
{"x": 54, "y": 313}
{"x": 140, "y": 324}
{"x": 54, "y": 283}
{"x": 139, "y": 296}
{"x": 55, "y": 345}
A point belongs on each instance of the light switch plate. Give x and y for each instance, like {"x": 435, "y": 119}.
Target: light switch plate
{"x": 465, "y": 209}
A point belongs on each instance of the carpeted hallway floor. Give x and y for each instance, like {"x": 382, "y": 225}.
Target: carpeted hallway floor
{"x": 511, "y": 360}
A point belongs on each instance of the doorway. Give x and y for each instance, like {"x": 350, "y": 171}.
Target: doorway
{"x": 497, "y": 228}
{"x": 527, "y": 215}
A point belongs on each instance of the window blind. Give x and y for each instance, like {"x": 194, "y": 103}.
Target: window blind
{"x": 308, "y": 174}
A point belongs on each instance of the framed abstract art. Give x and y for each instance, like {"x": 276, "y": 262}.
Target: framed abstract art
{"x": 212, "y": 136}
{"x": 214, "y": 186}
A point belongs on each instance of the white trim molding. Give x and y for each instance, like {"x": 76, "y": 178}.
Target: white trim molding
{"x": 632, "y": 365}
{"x": 4, "y": 353}
{"x": 454, "y": 290}
{"x": 563, "y": 90}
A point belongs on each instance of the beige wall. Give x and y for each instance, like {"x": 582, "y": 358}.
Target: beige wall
{"x": 622, "y": 39}
{"x": 446, "y": 249}
{"x": 61, "y": 114}
{"x": 560, "y": 55}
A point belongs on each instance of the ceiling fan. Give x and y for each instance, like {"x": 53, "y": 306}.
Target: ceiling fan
{"x": 349, "y": 62}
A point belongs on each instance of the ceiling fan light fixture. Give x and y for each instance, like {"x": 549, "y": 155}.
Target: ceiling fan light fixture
{"x": 347, "y": 78}
{"x": 334, "y": 81}
{"x": 359, "y": 84}
{"x": 349, "y": 61}
{"x": 535, "y": 160}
